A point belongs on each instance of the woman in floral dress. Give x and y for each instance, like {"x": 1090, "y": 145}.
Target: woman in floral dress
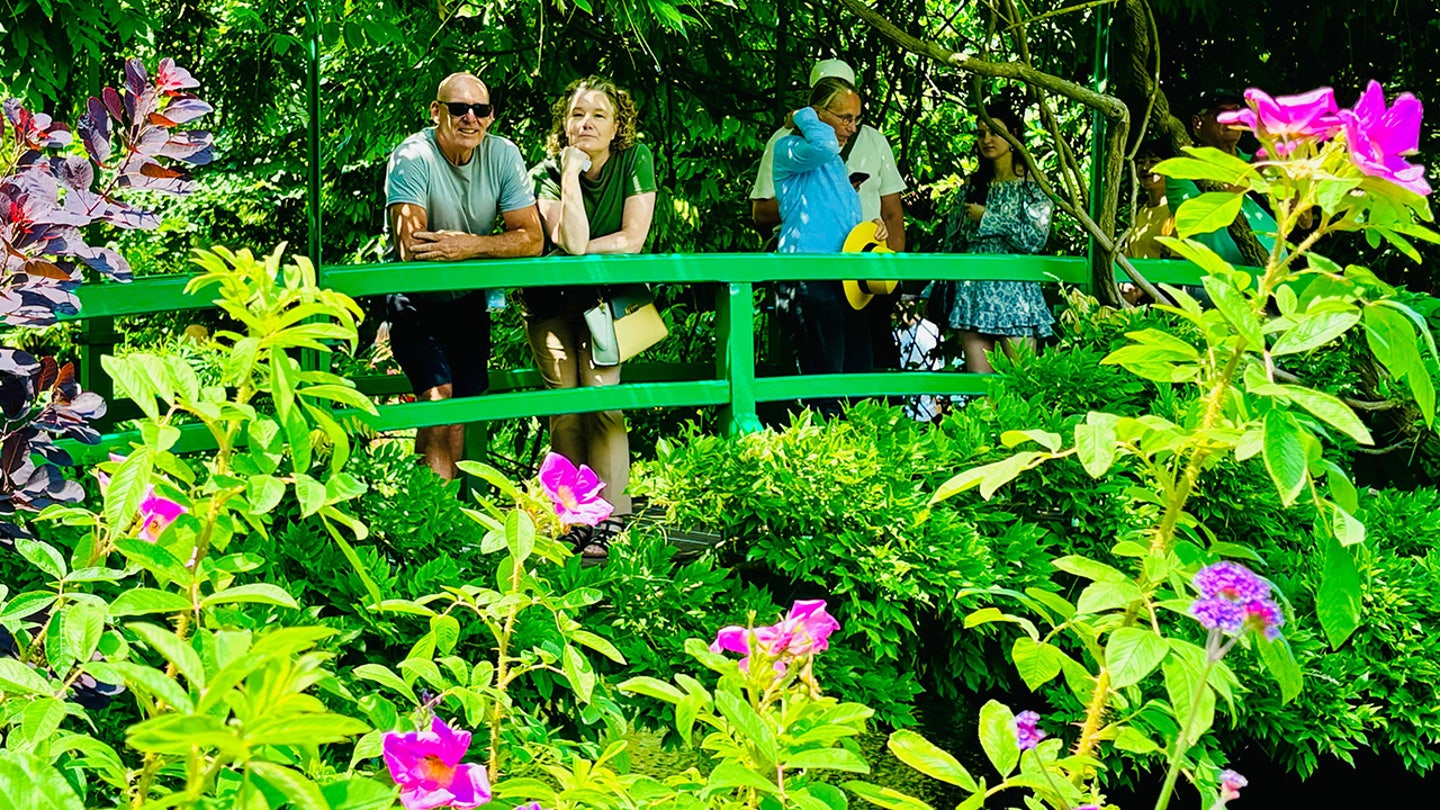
{"x": 1004, "y": 212}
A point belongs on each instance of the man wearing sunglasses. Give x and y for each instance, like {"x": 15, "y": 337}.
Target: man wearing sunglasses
{"x": 445, "y": 187}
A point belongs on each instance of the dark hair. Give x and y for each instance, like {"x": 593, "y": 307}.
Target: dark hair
{"x": 620, "y": 99}
{"x": 825, "y": 91}
{"x": 979, "y": 183}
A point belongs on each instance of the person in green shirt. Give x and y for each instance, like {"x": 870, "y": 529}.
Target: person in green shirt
{"x": 597, "y": 195}
{"x": 1207, "y": 131}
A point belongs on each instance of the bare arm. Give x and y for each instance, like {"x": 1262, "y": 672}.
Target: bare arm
{"x": 634, "y": 227}
{"x": 766, "y": 214}
{"x": 409, "y": 223}
{"x": 892, "y": 213}
{"x": 565, "y": 218}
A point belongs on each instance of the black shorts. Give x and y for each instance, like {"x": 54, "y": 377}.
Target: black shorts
{"x": 442, "y": 342}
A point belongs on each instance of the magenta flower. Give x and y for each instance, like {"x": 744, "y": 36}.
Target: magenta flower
{"x": 805, "y": 630}
{"x": 156, "y": 511}
{"x": 1287, "y": 120}
{"x": 1027, "y": 735}
{"x": 576, "y": 493}
{"x": 1379, "y": 137}
{"x": 427, "y": 767}
{"x": 1233, "y": 599}
{"x": 1230, "y": 784}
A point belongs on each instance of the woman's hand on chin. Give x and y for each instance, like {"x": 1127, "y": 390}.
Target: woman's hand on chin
{"x": 573, "y": 160}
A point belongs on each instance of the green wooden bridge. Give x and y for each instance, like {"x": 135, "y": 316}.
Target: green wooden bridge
{"x": 731, "y": 384}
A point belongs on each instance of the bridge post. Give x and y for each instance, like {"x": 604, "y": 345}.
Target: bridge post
{"x": 735, "y": 355}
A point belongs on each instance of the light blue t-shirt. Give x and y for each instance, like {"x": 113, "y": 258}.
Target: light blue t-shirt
{"x": 466, "y": 198}
{"x": 818, "y": 206}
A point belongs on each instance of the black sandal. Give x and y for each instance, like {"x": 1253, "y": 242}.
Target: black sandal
{"x": 593, "y": 544}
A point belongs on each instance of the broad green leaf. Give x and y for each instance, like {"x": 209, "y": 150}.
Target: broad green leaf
{"x": 598, "y": 644}
{"x": 1315, "y": 330}
{"x": 161, "y": 564}
{"x": 310, "y": 493}
{"x": 1284, "y": 455}
{"x": 30, "y": 783}
{"x": 1192, "y": 699}
{"x": 262, "y": 593}
{"x": 1235, "y": 309}
{"x": 989, "y": 477}
{"x": 42, "y": 556}
{"x": 1036, "y": 661}
{"x": 320, "y": 728}
{"x": 751, "y": 726}
{"x": 888, "y": 798}
{"x": 127, "y": 489}
{"x": 17, "y": 678}
{"x": 446, "y": 630}
{"x": 730, "y": 775}
{"x": 830, "y": 759}
{"x": 1207, "y": 213}
{"x": 1129, "y": 739}
{"x": 519, "y": 535}
{"x": 140, "y": 601}
{"x": 361, "y": 793}
{"x": 927, "y": 758}
{"x": 1330, "y": 410}
{"x": 652, "y": 687}
{"x": 264, "y": 493}
{"x": 1337, "y": 604}
{"x": 491, "y": 476}
{"x": 1346, "y": 528}
{"x": 1280, "y": 660}
{"x": 131, "y": 383}
{"x": 1099, "y": 597}
{"x": 302, "y": 793}
{"x": 385, "y": 677}
{"x": 1132, "y": 653}
{"x": 174, "y": 650}
{"x": 84, "y": 624}
{"x": 1044, "y": 438}
{"x": 1189, "y": 168}
{"x": 141, "y": 677}
{"x": 578, "y": 672}
{"x": 997, "y": 737}
{"x": 1341, "y": 490}
{"x": 1198, "y": 252}
{"x": 1095, "y": 445}
{"x": 1088, "y": 568}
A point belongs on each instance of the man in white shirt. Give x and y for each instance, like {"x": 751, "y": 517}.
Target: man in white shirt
{"x": 867, "y": 153}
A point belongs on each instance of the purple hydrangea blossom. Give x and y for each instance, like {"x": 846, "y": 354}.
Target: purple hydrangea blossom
{"x": 1233, "y": 599}
{"x": 1027, "y": 735}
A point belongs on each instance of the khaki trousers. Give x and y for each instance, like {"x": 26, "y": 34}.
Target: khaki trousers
{"x": 561, "y": 347}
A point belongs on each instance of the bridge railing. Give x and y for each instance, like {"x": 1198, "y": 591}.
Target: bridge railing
{"x": 731, "y": 383}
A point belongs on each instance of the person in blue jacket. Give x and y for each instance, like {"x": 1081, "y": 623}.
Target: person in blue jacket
{"x": 818, "y": 208}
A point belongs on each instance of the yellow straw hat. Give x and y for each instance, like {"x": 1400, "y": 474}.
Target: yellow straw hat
{"x": 862, "y": 239}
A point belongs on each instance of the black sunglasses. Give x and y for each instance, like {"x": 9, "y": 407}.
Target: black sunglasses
{"x": 459, "y": 108}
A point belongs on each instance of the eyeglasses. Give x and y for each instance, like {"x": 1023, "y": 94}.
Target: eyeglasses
{"x": 459, "y": 108}
{"x": 847, "y": 120}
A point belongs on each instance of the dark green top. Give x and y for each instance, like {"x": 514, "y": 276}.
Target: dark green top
{"x": 626, "y": 174}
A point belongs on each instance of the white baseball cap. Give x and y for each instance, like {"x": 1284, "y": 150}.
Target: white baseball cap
{"x": 826, "y": 68}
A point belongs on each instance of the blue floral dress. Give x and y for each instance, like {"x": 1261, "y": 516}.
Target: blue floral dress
{"x": 1016, "y": 220}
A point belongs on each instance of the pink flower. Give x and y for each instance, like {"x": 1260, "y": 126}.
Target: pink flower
{"x": 1381, "y": 137}
{"x": 1230, "y": 784}
{"x": 804, "y": 631}
{"x": 576, "y": 493}
{"x": 156, "y": 511}
{"x": 427, "y": 767}
{"x": 1287, "y": 120}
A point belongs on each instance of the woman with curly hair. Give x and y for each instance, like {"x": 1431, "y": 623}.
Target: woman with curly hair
{"x": 597, "y": 195}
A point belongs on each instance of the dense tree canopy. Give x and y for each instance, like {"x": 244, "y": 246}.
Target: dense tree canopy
{"x": 712, "y": 81}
